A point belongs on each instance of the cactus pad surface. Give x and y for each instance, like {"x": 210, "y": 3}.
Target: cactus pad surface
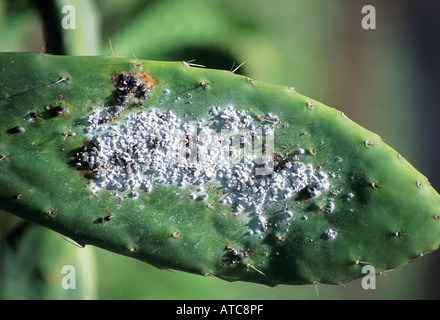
{"x": 205, "y": 171}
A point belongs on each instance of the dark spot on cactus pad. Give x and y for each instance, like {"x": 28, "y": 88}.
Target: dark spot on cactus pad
{"x": 307, "y": 193}
{"x": 280, "y": 162}
{"x": 52, "y": 111}
{"x": 76, "y": 159}
{"x": 130, "y": 85}
{"x": 31, "y": 115}
{"x": 104, "y": 218}
{"x": 17, "y": 129}
{"x": 233, "y": 255}
{"x": 58, "y": 111}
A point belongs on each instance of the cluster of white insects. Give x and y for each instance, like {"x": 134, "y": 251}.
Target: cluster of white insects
{"x": 229, "y": 148}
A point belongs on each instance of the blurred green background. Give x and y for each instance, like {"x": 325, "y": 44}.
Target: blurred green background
{"x": 384, "y": 79}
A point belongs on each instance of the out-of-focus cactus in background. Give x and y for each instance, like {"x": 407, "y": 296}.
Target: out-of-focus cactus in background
{"x": 383, "y": 78}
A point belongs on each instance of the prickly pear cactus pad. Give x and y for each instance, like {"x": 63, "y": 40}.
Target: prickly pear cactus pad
{"x": 205, "y": 171}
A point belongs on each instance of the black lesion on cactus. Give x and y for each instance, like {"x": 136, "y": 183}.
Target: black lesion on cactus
{"x": 50, "y": 111}
{"x": 128, "y": 86}
{"x": 84, "y": 160}
{"x": 306, "y": 193}
{"x": 104, "y": 218}
{"x": 279, "y": 162}
{"x": 233, "y": 256}
{"x": 57, "y": 111}
{"x": 15, "y": 130}
{"x": 32, "y": 115}
{"x": 78, "y": 161}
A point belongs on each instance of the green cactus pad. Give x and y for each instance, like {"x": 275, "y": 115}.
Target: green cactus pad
{"x": 205, "y": 171}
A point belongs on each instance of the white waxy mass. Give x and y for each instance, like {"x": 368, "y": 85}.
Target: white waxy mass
{"x": 229, "y": 148}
